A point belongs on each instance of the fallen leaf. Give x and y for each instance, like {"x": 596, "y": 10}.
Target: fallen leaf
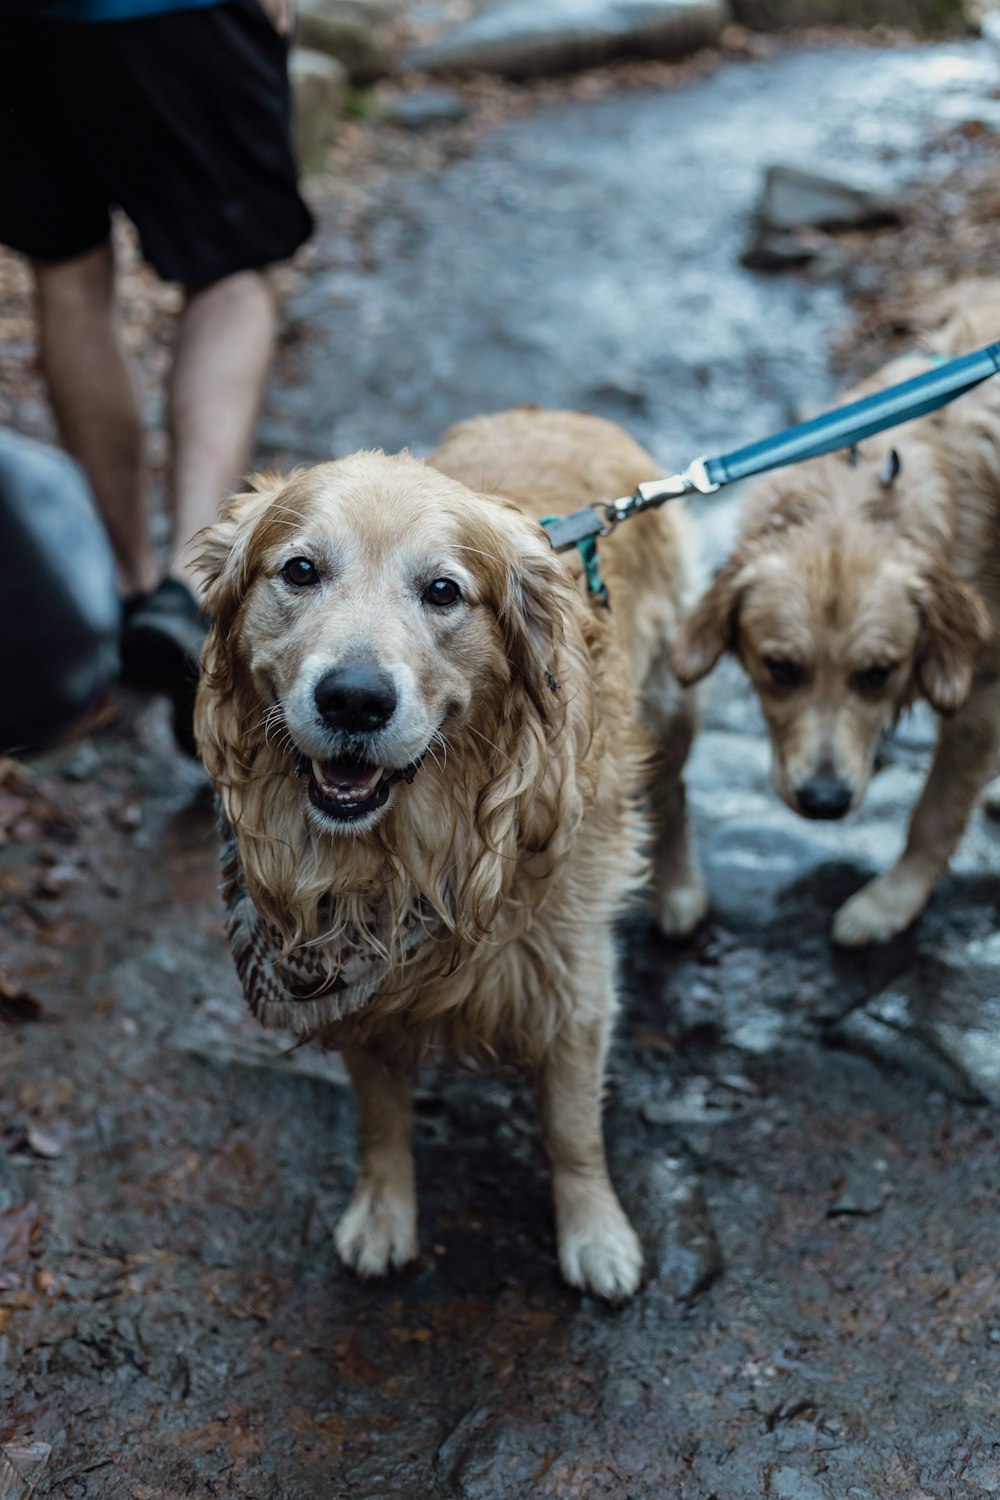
{"x": 47, "y": 1283}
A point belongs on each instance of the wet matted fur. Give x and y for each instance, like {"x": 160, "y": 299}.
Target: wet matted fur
{"x": 860, "y": 583}
{"x": 431, "y": 748}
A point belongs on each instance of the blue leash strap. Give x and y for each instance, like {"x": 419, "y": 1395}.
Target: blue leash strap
{"x": 840, "y": 428}
{"x": 851, "y": 424}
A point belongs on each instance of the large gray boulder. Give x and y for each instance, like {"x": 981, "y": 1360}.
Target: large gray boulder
{"x": 522, "y": 38}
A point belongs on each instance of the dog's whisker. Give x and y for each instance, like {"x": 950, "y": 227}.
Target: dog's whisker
{"x": 273, "y": 722}
{"x": 438, "y": 738}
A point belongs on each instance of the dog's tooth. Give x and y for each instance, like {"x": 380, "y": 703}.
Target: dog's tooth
{"x": 348, "y": 795}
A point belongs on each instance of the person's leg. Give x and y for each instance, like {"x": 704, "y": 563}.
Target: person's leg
{"x": 95, "y": 399}
{"x": 224, "y": 345}
{"x": 225, "y": 339}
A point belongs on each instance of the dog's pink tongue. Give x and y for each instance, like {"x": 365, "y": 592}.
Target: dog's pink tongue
{"x": 346, "y": 776}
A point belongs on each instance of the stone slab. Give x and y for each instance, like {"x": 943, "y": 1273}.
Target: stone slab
{"x": 798, "y": 198}
{"x": 520, "y": 38}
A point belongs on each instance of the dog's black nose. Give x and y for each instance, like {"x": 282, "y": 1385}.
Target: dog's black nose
{"x": 356, "y": 699}
{"x": 823, "y": 797}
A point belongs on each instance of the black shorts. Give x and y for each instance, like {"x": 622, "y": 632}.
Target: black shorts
{"x": 182, "y": 120}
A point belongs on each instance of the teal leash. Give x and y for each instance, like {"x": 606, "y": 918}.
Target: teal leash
{"x": 587, "y": 548}
{"x": 843, "y": 427}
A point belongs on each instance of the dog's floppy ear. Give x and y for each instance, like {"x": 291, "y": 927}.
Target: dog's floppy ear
{"x": 222, "y": 556}
{"x": 710, "y": 627}
{"x": 220, "y": 551}
{"x": 537, "y": 741}
{"x": 956, "y": 626}
{"x": 538, "y": 597}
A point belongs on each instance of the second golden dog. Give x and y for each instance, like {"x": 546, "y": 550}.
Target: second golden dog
{"x": 863, "y": 582}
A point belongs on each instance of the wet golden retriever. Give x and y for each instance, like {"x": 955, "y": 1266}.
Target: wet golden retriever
{"x": 860, "y": 583}
{"x": 430, "y": 746}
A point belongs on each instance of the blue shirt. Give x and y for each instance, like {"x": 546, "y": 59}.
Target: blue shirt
{"x": 115, "y": 10}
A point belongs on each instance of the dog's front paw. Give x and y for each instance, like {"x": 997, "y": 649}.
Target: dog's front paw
{"x": 599, "y": 1251}
{"x": 378, "y": 1233}
{"x": 882, "y": 909}
{"x": 679, "y": 910}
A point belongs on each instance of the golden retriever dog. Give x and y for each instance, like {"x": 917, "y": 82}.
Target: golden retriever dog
{"x": 431, "y": 748}
{"x": 860, "y": 583}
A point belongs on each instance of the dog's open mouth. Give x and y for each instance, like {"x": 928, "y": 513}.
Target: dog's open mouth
{"x": 348, "y": 789}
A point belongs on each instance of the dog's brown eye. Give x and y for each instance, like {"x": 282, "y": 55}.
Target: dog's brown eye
{"x": 300, "y": 572}
{"x": 874, "y": 679}
{"x": 784, "y": 673}
{"x": 443, "y": 591}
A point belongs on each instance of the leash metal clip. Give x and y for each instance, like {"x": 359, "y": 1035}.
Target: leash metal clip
{"x": 655, "y": 491}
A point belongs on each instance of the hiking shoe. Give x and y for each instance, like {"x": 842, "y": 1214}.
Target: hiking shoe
{"x": 162, "y": 636}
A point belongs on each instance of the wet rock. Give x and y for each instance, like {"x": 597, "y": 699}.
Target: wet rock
{"x": 479, "y": 1449}
{"x": 319, "y": 91}
{"x": 344, "y": 32}
{"x": 795, "y": 209}
{"x": 623, "y": 1391}
{"x": 693, "y": 1104}
{"x": 426, "y": 107}
{"x": 793, "y": 1484}
{"x": 519, "y": 38}
{"x": 940, "y": 1020}
{"x": 862, "y": 1189}
{"x": 672, "y": 1219}
{"x": 795, "y": 199}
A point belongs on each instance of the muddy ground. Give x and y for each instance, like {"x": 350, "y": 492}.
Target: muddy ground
{"x": 807, "y": 1142}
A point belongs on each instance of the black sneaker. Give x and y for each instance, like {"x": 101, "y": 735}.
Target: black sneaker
{"x": 162, "y": 636}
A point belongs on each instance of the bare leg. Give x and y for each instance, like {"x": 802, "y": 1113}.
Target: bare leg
{"x": 598, "y": 1248}
{"x": 379, "y": 1228}
{"x": 963, "y": 762}
{"x": 225, "y": 340}
{"x": 95, "y": 400}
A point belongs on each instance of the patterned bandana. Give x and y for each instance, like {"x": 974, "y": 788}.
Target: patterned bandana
{"x": 311, "y": 987}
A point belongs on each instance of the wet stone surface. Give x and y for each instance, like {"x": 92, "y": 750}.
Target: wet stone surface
{"x": 808, "y": 1141}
